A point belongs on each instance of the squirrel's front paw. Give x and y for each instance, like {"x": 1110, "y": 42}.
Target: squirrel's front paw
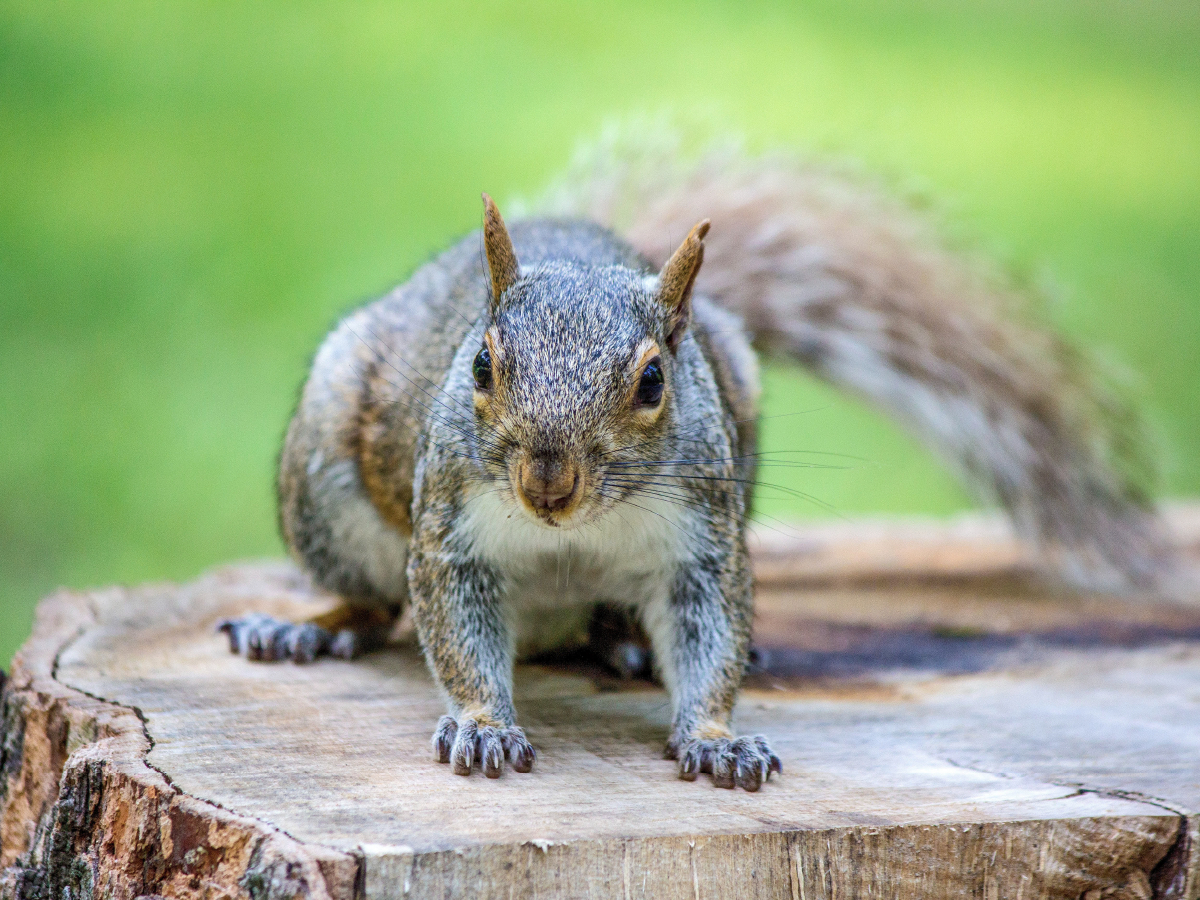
{"x": 465, "y": 743}
{"x": 260, "y": 637}
{"x": 745, "y": 761}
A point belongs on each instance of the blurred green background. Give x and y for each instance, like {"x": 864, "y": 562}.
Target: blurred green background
{"x": 191, "y": 193}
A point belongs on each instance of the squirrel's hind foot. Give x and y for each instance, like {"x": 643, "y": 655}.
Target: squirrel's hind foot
{"x": 467, "y": 743}
{"x": 262, "y": 638}
{"x": 744, "y": 762}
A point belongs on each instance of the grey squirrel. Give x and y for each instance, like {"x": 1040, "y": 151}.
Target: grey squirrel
{"x": 551, "y": 418}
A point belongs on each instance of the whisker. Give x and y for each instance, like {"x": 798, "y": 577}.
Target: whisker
{"x": 706, "y": 419}
{"x": 792, "y": 492}
{"x": 780, "y": 464}
{"x": 653, "y": 513}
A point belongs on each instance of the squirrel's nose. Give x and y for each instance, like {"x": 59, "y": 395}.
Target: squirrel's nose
{"x": 549, "y": 490}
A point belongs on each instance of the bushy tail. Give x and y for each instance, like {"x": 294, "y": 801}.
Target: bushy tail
{"x": 859, "y": 290}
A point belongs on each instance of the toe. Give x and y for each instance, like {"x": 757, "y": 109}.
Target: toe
{"x": 229, "y": 627}
{"x": 257, "y": 636}
{"x": 462, "y": 756}
{"x": 709, "y": 751}
{"x": 723, "y": 766}
{"x": 304, "y": 643}
{"x": 272, "y": 640}
{"x": 258, "y": 640}
{"x": 344, "y": 645}
{"x": 443, "y": 738}
{"x": 672, "y": 749}
{"x": 491, "y": 752}
{"x": 690, "y": 760}
{"x": 774, "y": 763}
{"x": 748, "y": 774}
{"x": 750, "y": 766}
{"x": 519, "y": 750}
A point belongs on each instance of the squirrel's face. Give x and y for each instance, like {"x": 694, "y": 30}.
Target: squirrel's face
{"x": 573, "y": 375}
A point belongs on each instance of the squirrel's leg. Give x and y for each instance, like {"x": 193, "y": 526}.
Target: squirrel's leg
{"x": 701, "y": 640}
{"x": 467, "y": 642}
{"x": 346, "y": 631}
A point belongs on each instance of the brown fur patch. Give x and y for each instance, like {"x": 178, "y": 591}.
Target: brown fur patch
{"x": 383, "y": 473}
{"x": 354, "y": 618}
{"x": 711, "y": 730}
{"x": 483, "y": 716}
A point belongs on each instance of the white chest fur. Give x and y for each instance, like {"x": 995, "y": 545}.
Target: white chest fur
{"x": 552, "y": 576}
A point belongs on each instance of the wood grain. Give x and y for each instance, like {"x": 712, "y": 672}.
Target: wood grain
{"x": 950, "y": 727}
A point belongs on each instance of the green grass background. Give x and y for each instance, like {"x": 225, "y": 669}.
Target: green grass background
{"x": 192, "y": 192}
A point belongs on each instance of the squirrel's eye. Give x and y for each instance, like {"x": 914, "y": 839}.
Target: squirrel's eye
{"x": 482, "y": 369}
{"x": 650, "y": 387}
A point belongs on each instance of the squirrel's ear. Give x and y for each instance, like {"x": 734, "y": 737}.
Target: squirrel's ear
{"x": 501, "y": 258}
{"x": 676, "y": 279}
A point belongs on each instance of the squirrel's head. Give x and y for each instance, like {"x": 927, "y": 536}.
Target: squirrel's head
{"x": 575, "y": 376}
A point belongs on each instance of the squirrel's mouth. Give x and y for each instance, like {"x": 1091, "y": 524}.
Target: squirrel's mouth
{"x": 551, "y": 519}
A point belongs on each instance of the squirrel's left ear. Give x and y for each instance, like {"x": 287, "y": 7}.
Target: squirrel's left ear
{"x": 675, "y": 283}
{"x": 501, "y": 257}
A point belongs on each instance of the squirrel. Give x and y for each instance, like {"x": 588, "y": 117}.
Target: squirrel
{"x": 552, "y": 419}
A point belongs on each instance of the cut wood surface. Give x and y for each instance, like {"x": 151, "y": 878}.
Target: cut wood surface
{"x": 950, "y": 726}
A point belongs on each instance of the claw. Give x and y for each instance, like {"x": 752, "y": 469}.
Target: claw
{"x": 746, "y": 762}
{"x": 242, "y": 631}
{"x": 260, "y": 637}
{"x": 462, "y": 744}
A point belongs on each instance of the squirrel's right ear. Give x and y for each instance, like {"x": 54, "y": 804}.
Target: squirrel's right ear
{"x": 676, "y": 279}
{"x": 501, "y": 257}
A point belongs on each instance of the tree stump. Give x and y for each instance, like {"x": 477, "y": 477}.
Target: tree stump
{"x": 949, "y": 726}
